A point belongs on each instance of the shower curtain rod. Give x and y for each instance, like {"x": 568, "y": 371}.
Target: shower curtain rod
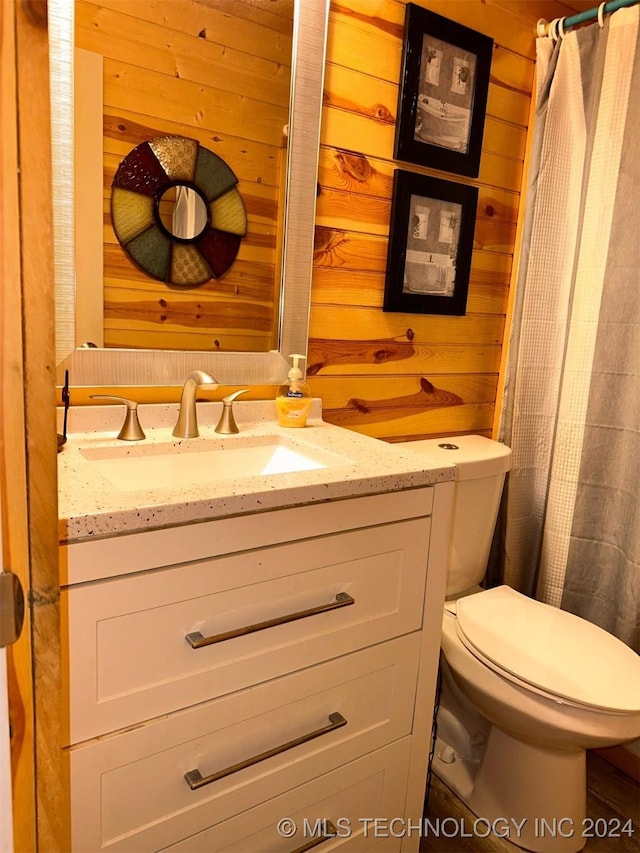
{"x": 545, "y": 28}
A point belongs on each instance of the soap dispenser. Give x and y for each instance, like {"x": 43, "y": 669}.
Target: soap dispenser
{"x": 293, "y": 401}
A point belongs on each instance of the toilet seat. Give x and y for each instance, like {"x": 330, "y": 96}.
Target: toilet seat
{"x": 549, "y": 651}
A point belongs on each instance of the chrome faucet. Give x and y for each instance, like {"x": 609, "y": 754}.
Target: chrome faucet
{"x": 187, "y": 423}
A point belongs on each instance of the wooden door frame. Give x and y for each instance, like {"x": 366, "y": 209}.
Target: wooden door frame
{"x": 27, "y": 425}
{"x": 12, "y": 450}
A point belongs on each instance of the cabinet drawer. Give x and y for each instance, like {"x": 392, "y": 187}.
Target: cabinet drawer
{"x": 372, "y": 787}
{"x": 129, "y": 791}
{"x": 96, "y": 559}
{"x": 129, "y": 658}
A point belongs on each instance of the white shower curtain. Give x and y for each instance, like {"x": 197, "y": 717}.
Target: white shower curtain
{"x": 571, "y": 411}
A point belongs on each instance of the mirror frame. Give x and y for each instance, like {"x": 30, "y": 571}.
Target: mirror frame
{"x": 113, "y": 367}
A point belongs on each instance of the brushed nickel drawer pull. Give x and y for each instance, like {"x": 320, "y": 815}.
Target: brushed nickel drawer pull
{"x": 197, "y": 641}
{"x": 329, "y": 832}
{"x": 196, "y": 780}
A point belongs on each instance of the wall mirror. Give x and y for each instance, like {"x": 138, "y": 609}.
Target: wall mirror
{"x": 179, "y": 217}
{"x": 134, "y": 364}
{"x": 183, "y": 212}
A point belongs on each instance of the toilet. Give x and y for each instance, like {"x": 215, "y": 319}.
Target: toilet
{"x": 526, "y": 688}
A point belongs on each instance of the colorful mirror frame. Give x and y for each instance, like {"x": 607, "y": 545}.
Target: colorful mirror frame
{"x": 142, "y": 178}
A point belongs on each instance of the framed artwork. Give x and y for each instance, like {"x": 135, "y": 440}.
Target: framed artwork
{"x": 430, "y": 245}
{"x": 176, "y": 211}
{"x": 443, "y": 93}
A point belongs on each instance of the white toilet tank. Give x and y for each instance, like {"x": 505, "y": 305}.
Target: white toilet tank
{"x": 481, "y": 468}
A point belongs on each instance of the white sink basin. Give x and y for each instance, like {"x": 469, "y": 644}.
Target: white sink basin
{"x": 179, "y": 464}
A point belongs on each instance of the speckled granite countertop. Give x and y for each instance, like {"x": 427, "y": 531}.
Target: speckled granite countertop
{"x": 91, "y": 506}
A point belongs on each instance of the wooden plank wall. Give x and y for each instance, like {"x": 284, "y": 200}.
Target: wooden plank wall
{"x": 185, "y": 67}
{"x": 394, "y": 375}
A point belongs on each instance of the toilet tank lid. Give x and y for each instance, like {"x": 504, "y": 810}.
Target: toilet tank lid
{"x": 551, "y": 649}
{"x": 473, "y": 455}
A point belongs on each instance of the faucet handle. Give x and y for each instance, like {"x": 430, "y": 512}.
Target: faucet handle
{"x": 131, "y": 429}
{"x": 231, "y": 397}
{"x": 227, "y": 424}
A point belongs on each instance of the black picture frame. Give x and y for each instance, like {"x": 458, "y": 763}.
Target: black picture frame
{"x": 442, "y": 98}
{"x": 430, "y": 245}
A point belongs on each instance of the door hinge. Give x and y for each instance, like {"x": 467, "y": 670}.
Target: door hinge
{"x": 11, "y": 608}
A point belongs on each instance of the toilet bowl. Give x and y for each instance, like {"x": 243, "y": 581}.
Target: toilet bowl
{"x": 526, "y": 688}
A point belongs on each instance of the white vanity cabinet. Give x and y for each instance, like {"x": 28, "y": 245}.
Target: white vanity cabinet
{"x": 228, "y": 674}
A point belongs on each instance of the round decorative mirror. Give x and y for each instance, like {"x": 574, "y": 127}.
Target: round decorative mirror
{"x": 182, "y": 212}
{"x": 176, "y": 210}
